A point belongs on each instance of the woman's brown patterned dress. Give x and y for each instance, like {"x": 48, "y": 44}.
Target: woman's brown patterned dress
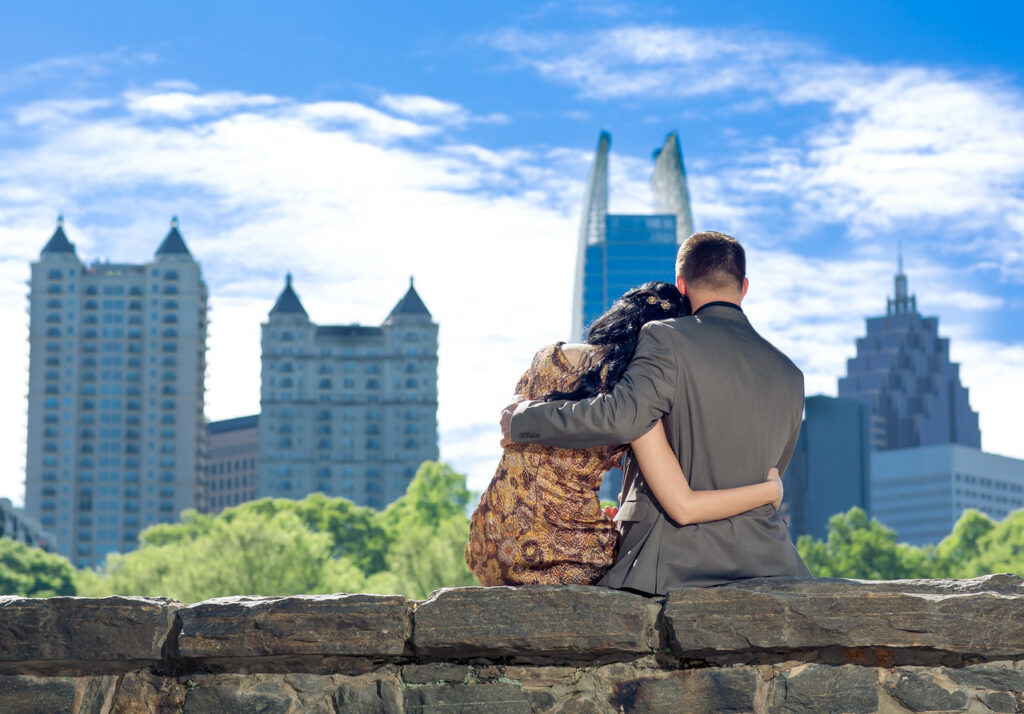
{"x": 540, "y": 522}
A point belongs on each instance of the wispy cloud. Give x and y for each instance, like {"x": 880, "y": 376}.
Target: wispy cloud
{"x": 654, "y": 60}
{"x": 77, "y": 67}
{"x": 418, "y": 106}
{"x": 185, "y": 105}
{"x": 899, "y": 147}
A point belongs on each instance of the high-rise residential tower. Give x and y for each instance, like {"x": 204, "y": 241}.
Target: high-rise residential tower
{"x": 347, "y": 410}
{"x": 619, "y": 252}
{"x": 115, "y": 400}
{"x": 903, "y": 374}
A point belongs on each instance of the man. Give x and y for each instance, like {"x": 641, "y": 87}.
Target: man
{"x": 731, "y": 404}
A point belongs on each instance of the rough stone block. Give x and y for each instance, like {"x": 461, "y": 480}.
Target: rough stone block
{"x": 434, "y": 672}
{"x": 1002, "y": 677}
{"x": 92, "y": 693}
{"x": 919, "y": 689}
{"x": 490, "y": 698}
{"x": 36, "y": 695}
{"x": 818, "y": 688}
{"x": 581, "y": 704}
{"x": 1001, "y": 702}
{"x": 362, "y": 698}
{"x": 347, "y": 625}
{"x": 803, "y": 614}
{"x": 532, "y": 676}
{"x": 237, "y": 694}
{"x": 571, "y": 622}
{"x": 695, "y": 690}
{"x": 146, "y": 693}
{"x": 92, "y": 630}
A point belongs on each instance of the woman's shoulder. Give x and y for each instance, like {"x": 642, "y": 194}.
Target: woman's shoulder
{"x": 576, "y": 354}
{"x": 561, "y": 357}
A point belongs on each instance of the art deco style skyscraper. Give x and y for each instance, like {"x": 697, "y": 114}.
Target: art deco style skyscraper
{"x": 347, "y": 410}
{"x": 619, "y": 252}
{"x": 903, "y": 374}
{"x": 115, "y": 401}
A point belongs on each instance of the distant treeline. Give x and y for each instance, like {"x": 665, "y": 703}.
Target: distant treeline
{"x": 321, "y": 545}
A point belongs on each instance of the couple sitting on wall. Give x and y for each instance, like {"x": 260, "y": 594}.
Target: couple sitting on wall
{"x": 674, "y": 378}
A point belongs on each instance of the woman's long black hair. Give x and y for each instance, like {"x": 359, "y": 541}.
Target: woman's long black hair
{"x": 617, "y": 331}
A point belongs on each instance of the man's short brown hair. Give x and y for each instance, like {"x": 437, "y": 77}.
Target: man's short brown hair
{"x": 712, "y": 260}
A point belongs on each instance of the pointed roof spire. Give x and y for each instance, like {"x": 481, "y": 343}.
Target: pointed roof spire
{"x": 903, "y": 301}
{"x": 173, "y": 243}
{"x": 288, "y": 302}
{"x": 59, "y": 242}
{"x": 668, "y": 183}
{"x": 410, "y": 305}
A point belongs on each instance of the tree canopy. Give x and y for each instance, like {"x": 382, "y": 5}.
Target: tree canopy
{"x": 31, "y": 572}
{"x": 318, "y": 544}
{"x": 416, "y": 545}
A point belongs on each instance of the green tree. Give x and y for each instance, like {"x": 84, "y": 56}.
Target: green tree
{"x": 31, "y": 572}
{"x": 960, "y": 552}
{"x": 318, "y": 544}
{"x": 1000, "y": 549}
{"x": 356, "y": 532}
{"x": 860, "y": 548}
{"x": 436, "y": 493}
{"x": 428, "y": 530}
{"x": 247, "y": 554}
{"x": 424, "y": 558}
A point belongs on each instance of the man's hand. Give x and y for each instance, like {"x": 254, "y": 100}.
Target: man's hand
{"x": 773, "y": 476}
{"x": 506, "y": 421}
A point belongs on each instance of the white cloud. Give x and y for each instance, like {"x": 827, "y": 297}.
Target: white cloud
{"x": 184, "y": 105}
{"x": 374, "y": 123}
{"x": 653, "y": 60}
{"x": 49, "y": 111}
{"x": 419, "y": 106}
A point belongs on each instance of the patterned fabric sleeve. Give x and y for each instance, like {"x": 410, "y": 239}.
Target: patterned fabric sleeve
{"x": 542, "y": 361}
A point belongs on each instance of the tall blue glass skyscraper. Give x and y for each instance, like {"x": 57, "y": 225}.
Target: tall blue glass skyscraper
{"x": 619, "y": 252}
{"x": 635, "y": 249}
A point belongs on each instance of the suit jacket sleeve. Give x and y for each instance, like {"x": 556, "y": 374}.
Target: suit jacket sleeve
{"x": 641, "y": 397}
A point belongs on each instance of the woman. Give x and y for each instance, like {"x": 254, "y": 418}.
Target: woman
{"x": 540, "y": 522}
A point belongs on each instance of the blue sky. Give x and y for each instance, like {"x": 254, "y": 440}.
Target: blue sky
{"x": 358, "y": 143}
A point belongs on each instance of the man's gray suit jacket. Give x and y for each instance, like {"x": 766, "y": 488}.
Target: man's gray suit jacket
{"x": 732, "y": 405}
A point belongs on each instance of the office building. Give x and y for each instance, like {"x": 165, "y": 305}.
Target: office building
{"x": 115, "y": 399}
{"x": 903, "y": 374}
{"x": 617, "y": 252}
{"x": 921, "y": 492}
{"x": 232, "y": 457}
{"x": 347, "y": 410}
{"x": 16, "y": 525}
{"x": 830, "y": 469}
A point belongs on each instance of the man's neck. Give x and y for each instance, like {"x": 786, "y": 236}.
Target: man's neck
{"x": 700, "y": 300}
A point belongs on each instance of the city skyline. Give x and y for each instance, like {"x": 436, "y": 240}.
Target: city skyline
{"x": 455, "y": 145}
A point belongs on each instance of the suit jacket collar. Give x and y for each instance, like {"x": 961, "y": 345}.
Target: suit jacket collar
{"x": 722, "y": 309}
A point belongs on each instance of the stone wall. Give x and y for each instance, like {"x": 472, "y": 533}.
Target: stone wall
{"x": 771, "y": 645}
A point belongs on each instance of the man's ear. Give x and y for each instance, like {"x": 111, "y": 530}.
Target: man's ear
{"x": 746, "y": 284}
{"x": 681, "y": 284}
